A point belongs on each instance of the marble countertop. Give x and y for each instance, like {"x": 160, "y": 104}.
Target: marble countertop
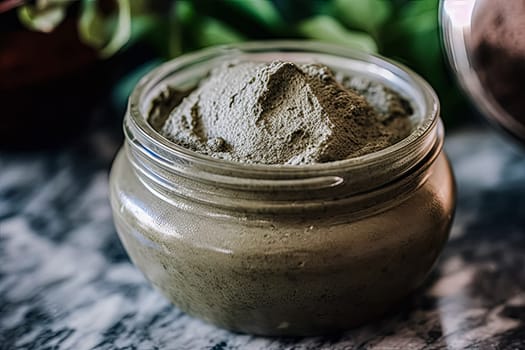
{"x": 66, "y": 282}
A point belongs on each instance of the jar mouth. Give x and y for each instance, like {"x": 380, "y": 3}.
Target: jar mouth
{"x": 408, "y": 151}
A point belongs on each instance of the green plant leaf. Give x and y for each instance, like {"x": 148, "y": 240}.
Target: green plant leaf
{"x": 327, "y": 29}
{"x": 214, "y": 32}
{"x": 107, "y": 34}
{"x": 43, "y": 18}
{"x": 184, "y": 11}
{"x": 419, "y": 16}
{"x": 263, "y": 11}
{"x": 92, "y": 25}
{"x": 366, "y": 15}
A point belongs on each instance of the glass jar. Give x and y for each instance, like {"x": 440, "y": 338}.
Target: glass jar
{"x": 283, "y": 250}
{"x": 486, "y": 50}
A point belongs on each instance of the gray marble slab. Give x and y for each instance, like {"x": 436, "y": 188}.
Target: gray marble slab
{"x": 66, "y": 283}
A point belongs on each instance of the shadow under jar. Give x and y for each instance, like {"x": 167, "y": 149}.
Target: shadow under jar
{"x": 283, "y": 250}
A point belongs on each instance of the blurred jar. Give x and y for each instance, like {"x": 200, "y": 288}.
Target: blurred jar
{"x": 485, "y": 42}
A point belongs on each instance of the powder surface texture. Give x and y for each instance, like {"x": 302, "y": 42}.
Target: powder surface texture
{"x": 285, "y": 113}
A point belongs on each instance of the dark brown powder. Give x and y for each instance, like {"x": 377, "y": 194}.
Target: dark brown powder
{"x": 498, "y": 47}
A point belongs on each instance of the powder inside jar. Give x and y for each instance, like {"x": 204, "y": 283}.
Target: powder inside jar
{"x": 498, "y": 46}
{"x": 282, "y": 113}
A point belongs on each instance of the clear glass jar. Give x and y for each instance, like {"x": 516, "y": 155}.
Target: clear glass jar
{"x": 283, "y": 250}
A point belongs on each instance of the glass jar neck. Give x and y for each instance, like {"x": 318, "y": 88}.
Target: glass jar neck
{"x": 370, "y": 182}
{"x": 356, "y": 185}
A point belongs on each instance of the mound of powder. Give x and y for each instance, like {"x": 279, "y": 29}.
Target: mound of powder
{"x": 284, "y": 113}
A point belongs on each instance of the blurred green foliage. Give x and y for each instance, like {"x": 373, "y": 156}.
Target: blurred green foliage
{"x": 404, "y": 30}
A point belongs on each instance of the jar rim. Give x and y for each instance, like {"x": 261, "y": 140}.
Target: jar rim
{"x": 162, "y": 162}
{"x": 149, "y": 134}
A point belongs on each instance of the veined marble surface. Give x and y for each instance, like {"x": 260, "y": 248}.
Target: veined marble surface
{"x": 66, "y": 282}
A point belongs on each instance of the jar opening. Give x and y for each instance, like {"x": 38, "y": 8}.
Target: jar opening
{"x": 357, "y": 175}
